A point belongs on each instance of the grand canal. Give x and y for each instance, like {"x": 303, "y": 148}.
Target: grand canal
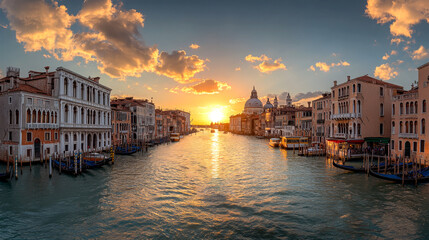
{"x": 212, "y": 185}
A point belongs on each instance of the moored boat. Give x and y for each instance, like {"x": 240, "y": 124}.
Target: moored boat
{"x": 275, "y": 142}
{"x": 6, "y": 175}
{"x": 408, "y": 177}
{"x": 175, "y": 137}
{"x": 125, "y": 150}
{"x": 294, "y": 142}
{"x": 213, "y": 131}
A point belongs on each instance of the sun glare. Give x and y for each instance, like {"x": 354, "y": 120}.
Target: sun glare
{"x": 216, "y": 115}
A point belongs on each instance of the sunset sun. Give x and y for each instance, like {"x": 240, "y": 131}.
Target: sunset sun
{"x": 216, "y": 115}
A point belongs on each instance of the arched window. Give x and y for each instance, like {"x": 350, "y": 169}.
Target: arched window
{"x": 66, "y": 86}
{"x": 74, "y": 89}
{"x": 358, "y": 106}
{"x": 406, "y": 127}
{"x": 381, "y": 109}
{"x": 56, "y": 115}
{"x": 44, "y": 117}
{"x": 52, "y": 117}
{"x": 424, "y": 106}
{"x": 415, "y": 107}
{"x": 423, "y": 127}
{"x": 393, "y": 127}
{"x": 39, "y": 117}
{"x": 407, "y": 108}
{"x": 401, "y": 108}
{"x": 75, "y": 114}
{"x": 359, "y": 88}
{"x": 82, "y": 91}
{"x": 10, "y": 117}
{"x": 82, "y": 118}
{"x": 393, "y": 109}
{"x": 358, "y": 128}
{"x": 400, "y": 127}
{"x": 66, "y": 137}
{"x": 354, "y": 88}
{"x": 411, "y": 127}
{"x": 28, "y": 116}
{"x": 48, "y": 120}
{"x": 16, "y": 116}
{"x": 66, "y": 113}
{"x": 34, "y": 116}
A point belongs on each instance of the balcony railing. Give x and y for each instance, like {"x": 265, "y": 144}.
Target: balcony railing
{"x": 41, "y": 126}
{"x": 408, "y": 135}
{"x": 343, "y": 97}
{"x": 345, "y": 116}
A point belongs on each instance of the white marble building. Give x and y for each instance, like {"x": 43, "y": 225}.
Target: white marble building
{"x": 85, "y": 122}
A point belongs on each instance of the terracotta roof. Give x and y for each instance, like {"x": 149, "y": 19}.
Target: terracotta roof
{"x": 27, "y": 88}
{"x": 368, "y": 79}
{"x": 424, "y": 65}
{"x": 41, "y": 76}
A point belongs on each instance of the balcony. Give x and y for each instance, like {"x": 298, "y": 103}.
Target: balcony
{"x": 343, "y": 97}
{"x": 41, "y": 126}
{"x": 408, "y": 135}
{"x": 345, "y": 116}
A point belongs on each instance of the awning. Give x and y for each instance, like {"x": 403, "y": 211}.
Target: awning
{"x": 377, "y": 140}
{"x": 336, "y": 140}
{"x": 355, "y": 141}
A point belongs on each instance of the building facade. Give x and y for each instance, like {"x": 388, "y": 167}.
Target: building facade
{"x": 121, "y": 125}
{"x": 321, "y": 114}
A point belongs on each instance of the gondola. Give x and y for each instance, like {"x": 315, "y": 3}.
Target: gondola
{"x": 362, "y": 168}
{"x": 95, "y": 160}
{"x": 409, "y": 177}
{"x": 6, "y": 175}
{"x": 64, "y": 168}
{"x": 125, "y": 151}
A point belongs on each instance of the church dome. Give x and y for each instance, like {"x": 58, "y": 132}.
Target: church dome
{"x": 268, "y": 104}
{"x": 253, "y": 105}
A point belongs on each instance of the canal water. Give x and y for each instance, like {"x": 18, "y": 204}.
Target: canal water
{"x": 212, "y": 185}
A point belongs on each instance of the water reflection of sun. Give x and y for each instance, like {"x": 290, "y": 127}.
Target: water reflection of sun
{"x": 215, "y": 155}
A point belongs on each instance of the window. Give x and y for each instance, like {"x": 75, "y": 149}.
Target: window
{"x": 381, "y": 129}
{"x": 422, "y": 145}
{"x": 66, "y": 86}
{"x": 47, "y": 136}
{"x": 29, "y": 153}
{"x": 414, "y": 146}
{"x": 11, "y": 150}
{"x": 16, "y": 117}
{"x": 381, "y": 92}
{"x": 29, "y": 137}
{"x": 28, "y": 116}
{"x": 10, "y": 136}
{"x": 400, "y": 145}
{"x": 393, "y": 127}
{"x": 424, "y": 106}
{"x": 66, "y": 147}
{"x": 29, "y": 101}
{"x": 359, "y": 88}
{"x": 56, "y": 136}
{"x": 10, "y": 100}
{"x": 401, "y": 108}
{"x": 393, "y": 109}
{"x": 354, "y": 88}
{"x": 393, "y": 145}
{"x": 381, "y": 109}
{"x": 423, "y": 126}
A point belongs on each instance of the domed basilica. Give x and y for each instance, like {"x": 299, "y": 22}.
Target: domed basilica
{"x": 254, "y": 105}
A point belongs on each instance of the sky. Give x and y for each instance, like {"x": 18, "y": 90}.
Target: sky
{"x": 206, "y": 56}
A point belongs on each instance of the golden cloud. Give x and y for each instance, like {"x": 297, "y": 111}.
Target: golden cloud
{"x": 237, "y": 69}
{"x": 237, "y": 100}
{"x": 194, "y": 46}
{"x": 397, "y": 41}
{"x": 267, "y": 64}
{"x": 420, "y": 53}
{"x": 111, "y": 38}
{"x": 402, "y": 13}
{"x": 326, "y": 67}
{"x": 207, "y": 86}
{"x": 385, "y": 72}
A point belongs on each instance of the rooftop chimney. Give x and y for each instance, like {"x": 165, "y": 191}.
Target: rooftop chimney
{"x": 335, "y": 83}
{"x": 348, "y": 78}
{"x": 47, "y": 69}
{"x": 96, "y": 79}
{"x": 308, "y": 104}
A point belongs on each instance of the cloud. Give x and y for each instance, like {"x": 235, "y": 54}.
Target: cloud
{"x": 300, "y": 96}
{"x": 237, "y": 100}
{"x": 3, "y": 26}
{"x": 149, "y": 88}
{"x": 311, "y": 68}
{"x": 251, "y": 58}
{"x": 237, "y": 69}
{"x": 326, "y": 67}
{"x": 304, "y": 101}
{"x": 174, "y": 90}
{"x": 402, "y": 14}
{"x": 194, "y": 46}
{"x": 420, "y": 53}
{"x": 385, "y": 72}
{"x": 397, "y": 62}
{"x": 46, "y": 55}
{"x": 387, "y": 56}
{"x": 267, "y": 64}
{"x": 207, "y": 86}
{"x": 397, "y": 41}
{"x": 179, "y": 66}
{"x": 108, "y": 36}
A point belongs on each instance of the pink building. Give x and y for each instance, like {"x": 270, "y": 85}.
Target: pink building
{"x": 409, "y": 116}
{"x": 361, "y": 113}
{"x": 321, "y": 118}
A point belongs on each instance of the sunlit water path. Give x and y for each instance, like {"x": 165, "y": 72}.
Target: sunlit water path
{"x": 212, "y": 185}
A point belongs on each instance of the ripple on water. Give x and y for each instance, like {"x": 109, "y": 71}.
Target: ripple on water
{"x": 212, "y": 186}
